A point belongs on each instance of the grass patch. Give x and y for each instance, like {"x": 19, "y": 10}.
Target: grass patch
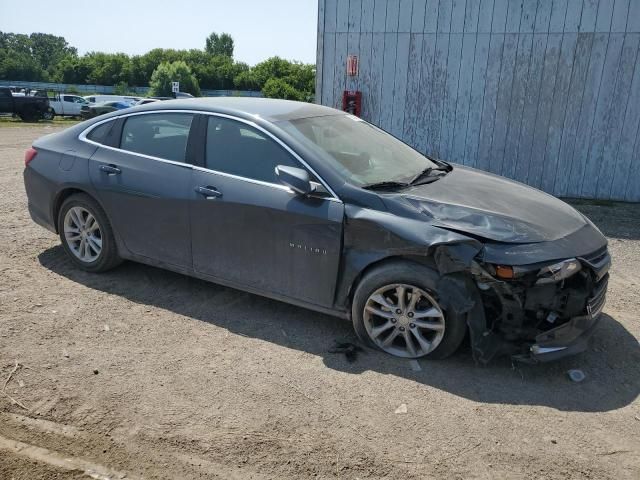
{"x": 8, "y": 121}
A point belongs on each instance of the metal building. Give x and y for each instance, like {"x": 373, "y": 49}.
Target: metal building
{"x": 543, "y": 91}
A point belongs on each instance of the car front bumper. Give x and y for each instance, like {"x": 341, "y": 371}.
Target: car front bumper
{"x": 573, "y": 336}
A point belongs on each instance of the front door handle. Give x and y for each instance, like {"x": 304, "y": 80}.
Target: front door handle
{"x": 209, "y": 192}
{"x": 110, "y": 169}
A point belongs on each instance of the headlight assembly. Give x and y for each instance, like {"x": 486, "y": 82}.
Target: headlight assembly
{"x": 558, "y": 271}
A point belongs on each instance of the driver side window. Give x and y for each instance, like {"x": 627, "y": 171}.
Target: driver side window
{"x": 239, "y": 149}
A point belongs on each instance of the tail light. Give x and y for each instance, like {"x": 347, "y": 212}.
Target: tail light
{"x": 29, "y": 155}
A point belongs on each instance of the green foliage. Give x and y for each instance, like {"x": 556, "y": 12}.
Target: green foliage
{"x": 219, "y": 45}
{"x": 298, "y": 76}
{"x": 107, "y": 68}
{"x": 121, "y": 88}
{"x": 44, "y": 57}
{"x": 279, "y": 88}
{"x": 173, "y": 72}
{"x": 48, "y": 49}
{"x": 32, "y": 57}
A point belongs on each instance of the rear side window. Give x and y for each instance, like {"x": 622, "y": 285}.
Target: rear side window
{"x": 236, "y": 148}
{"x": 100, "y": 133}
{"x": 162, "y": 135}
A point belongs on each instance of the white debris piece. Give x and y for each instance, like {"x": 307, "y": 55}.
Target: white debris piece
{"x": 401, "y": 409}
{"x": 576, "y": 375}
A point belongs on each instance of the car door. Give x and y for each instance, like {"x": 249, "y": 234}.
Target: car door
{"x": 143, "y": 180}
{"x": 70, "y": 106}
{"x": 249, "y": 230}
{"x": 56, "y": 103}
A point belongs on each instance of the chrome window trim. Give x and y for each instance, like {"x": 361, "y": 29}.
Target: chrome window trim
{"x": 245, "y": 179}
{"x": 83, "y": 137}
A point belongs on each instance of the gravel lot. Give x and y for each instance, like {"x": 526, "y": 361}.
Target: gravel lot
{"x": 150, "y": 374}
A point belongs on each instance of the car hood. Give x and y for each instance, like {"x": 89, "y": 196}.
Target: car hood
{"x": 470, "y": 201}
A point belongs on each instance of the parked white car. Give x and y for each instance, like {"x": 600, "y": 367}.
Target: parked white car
{"x": 66, "y": 105}
{"x": 112, "y": 98}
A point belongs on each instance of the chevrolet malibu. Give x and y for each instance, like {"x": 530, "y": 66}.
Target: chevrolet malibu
{"x": 309, "y": 205}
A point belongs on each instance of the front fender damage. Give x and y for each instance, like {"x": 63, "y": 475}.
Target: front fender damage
{"x": 458, "y": 292}
{"x": 371, "y": 236}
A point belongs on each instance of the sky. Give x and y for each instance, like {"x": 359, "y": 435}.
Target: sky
{"x": 260, "y": 28}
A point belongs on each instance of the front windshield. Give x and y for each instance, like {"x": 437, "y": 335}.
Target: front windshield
{"x": 362, "y": 153}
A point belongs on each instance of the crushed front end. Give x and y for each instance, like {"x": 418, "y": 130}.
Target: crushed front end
{"x": 542, "y": 311}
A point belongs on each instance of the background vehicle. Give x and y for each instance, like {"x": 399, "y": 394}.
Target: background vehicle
{"x": 28, "y": 108}
{"x": 112, "y": 98}
{"x": 319, "y": 208}
{"x": 145, "y": 101}
{"x": 66, "y": 105}
{"x": 93, "y": 110}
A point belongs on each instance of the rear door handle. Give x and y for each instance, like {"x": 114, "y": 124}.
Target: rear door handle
{"x": 110, "y": 169}
{"x": 209, "y": 192}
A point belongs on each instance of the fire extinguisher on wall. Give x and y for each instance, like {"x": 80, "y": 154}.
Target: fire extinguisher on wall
{"x": 352, "y": 102}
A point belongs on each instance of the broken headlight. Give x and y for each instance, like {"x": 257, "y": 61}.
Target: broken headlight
{"x": 558, "y": 271}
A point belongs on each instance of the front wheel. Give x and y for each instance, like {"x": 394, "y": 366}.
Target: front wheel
{"x": 48, "y": 115}
{"x": 86, "y": 234}
{"x": 396, "y": 309}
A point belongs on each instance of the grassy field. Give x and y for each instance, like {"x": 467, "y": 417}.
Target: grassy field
{"x": 8, "y": 121}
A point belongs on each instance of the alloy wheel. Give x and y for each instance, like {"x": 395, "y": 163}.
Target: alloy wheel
{"x": 82, "y": 234}
{"x": 404, "y": 320}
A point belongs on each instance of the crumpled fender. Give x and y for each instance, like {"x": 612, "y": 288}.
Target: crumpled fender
{"x": 371, "y": 236}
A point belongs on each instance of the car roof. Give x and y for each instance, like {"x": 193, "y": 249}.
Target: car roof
{"x": 269, "y": 109}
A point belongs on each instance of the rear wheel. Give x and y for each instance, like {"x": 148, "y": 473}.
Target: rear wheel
{"x": 29, "y": 115}
{"x": 48, "y": 115}
{"x": 396, "y": 309}
{"x": 86, "y": 234}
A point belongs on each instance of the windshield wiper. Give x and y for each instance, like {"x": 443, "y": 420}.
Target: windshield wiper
{"x": 387, "y": 184}
{"x": 427, "y": 173}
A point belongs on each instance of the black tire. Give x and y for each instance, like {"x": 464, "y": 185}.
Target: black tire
{"x": 108, "y": 257}
{"x": 49, "y": 115}
{"x": 409, "y": 273}
{"x": 28, "y": 116}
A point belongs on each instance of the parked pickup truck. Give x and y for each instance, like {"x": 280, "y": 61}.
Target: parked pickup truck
{"x": 66, "y": 105}
{"x": 28, "y": 108}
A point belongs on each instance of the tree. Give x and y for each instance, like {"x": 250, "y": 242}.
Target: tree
{"x": 48, "y": 49}
{"x": 42, "y": 56}
{"x": 16, "y": 59}
{"x": 173, "y": 72}
{"x": 279, "y": 88}
{"x": 107, "y": 68}
{"x": 219, "y": 44}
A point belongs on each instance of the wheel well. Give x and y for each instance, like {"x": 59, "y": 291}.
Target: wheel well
{"x": 423, "y": 260}
{"x": 62, "y": 196}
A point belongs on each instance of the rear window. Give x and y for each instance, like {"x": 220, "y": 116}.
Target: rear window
{"x": 100, "y": 133}
{"x": 162, "y": 135}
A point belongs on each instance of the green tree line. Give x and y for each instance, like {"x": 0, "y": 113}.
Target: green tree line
{"x": 49, "y": 58}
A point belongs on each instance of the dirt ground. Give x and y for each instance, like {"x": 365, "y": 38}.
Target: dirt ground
{"x": 142, "y": 373}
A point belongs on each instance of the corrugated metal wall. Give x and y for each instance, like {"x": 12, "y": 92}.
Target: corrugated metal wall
{"x": 543, "y": 91}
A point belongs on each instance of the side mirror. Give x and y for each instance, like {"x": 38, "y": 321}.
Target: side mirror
{"x": 295, "y": 178}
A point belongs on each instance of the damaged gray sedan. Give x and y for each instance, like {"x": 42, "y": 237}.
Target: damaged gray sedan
{"x": 311, "y": 206}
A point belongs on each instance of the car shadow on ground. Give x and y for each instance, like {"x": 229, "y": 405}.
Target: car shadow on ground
{"x": 611, "y": 364}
